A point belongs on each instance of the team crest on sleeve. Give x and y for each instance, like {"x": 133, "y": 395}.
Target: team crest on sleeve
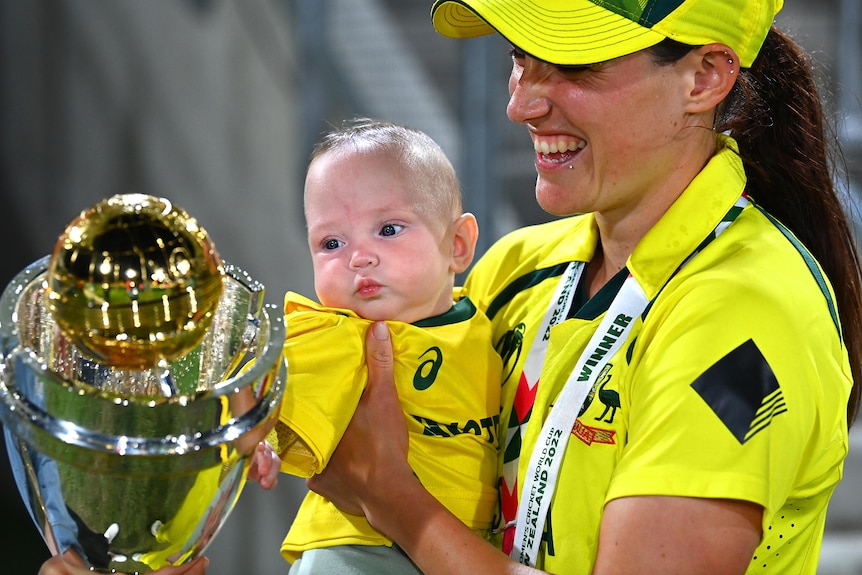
{"x": 743, "y": 391}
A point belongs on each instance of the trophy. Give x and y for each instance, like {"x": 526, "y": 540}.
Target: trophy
{"x": 138, "y": 372}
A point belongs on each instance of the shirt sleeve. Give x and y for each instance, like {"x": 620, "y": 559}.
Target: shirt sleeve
{"x": 326, "y": 377}
{"x": 726, "y": 377}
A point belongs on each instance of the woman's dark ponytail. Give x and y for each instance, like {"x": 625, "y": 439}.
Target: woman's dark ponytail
{"x": 775, "y": 114}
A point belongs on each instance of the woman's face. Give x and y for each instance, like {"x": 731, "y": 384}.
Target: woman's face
{"x": 607, "y": 136}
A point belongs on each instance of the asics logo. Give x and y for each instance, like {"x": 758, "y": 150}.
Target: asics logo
{"x": 426, "y": 373}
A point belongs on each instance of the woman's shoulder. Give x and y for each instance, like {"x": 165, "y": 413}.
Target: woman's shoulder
{"x": 528, "y": 256}
{"x": 552, "y": 242}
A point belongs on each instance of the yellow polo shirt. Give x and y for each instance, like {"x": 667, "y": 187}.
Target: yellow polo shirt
{"x": 734, "y": 384}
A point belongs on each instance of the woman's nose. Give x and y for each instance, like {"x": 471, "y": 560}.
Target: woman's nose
{"x": 527, "y": 92}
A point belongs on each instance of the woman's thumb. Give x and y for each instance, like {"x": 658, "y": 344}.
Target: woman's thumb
{"x": 378, "y": 351}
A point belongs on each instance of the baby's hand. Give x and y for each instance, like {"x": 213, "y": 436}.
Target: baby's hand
{"x": 264, "y": 466}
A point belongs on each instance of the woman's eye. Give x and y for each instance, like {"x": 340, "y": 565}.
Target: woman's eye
{"x": 517, "y": 53}
{"x": 390, "y": 229}
{"x": 331, "y": 244}
{"x": 574, "y": 69}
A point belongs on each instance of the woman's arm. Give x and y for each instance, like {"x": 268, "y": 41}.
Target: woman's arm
{"x": 677, "y": 535}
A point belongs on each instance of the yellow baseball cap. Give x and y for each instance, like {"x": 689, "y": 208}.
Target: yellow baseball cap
{"x": 576, "y": 32}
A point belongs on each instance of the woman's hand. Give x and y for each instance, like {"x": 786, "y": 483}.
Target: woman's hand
{"x": 69, "y": 564}
{"x": 373, "y": 451}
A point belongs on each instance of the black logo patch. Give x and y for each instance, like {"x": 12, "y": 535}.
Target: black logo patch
{"x": 742, "y": 391}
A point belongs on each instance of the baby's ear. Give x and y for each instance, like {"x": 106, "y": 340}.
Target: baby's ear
{"x": 465, "y": 233}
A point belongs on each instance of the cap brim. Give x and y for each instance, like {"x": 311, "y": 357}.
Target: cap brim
{"x": 564, "y": 32}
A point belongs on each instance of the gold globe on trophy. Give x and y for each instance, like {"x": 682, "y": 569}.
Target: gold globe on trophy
{"x": 138, "y": 371}
{"x": 133, "y": 281}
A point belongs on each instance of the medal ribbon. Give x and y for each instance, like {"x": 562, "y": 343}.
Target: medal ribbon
{"x": 541, "y": 478}
{"x": 525, "y": 395}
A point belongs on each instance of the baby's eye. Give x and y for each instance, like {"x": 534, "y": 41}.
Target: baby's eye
{"x": 390, "y": 229}
{"x": 332, "y": 244}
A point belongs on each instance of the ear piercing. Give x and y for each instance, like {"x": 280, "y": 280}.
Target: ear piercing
{"x": 729, "y": 61}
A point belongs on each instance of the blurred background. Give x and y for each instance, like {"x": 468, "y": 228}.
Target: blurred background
{"x": 215, "y": 104}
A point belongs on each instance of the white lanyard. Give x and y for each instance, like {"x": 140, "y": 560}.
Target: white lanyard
{"x": 540, "y": 480}
{"x": 557, "y": 310}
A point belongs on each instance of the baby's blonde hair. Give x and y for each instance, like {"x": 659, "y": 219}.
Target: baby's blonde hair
{"x": 436, "y": 189}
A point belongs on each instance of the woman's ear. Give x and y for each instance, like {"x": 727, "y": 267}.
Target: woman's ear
{"x": 716, "y": 68}
{"x": 465, "y": 233}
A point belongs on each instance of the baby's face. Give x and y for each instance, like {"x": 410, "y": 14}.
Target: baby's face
{"x": 374, "y": 250}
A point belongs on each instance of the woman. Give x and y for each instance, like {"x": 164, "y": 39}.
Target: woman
{"x": 680, "y": 343}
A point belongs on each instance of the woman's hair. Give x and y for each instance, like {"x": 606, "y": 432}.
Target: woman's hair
{"x": 775, "y": 114}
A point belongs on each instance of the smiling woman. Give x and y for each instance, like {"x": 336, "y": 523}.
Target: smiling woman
{"x": 670, "y": 396}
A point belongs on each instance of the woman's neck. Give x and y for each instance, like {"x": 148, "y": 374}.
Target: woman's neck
{"x": 600, "y": 270}
{"x": 622, "y": 227}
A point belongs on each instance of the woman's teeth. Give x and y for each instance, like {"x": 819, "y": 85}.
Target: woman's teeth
{"x": 553, "y": 147}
